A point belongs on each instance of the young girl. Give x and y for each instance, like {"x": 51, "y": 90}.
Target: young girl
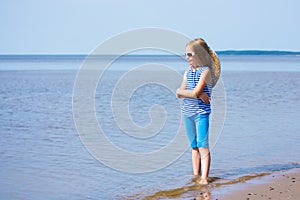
{"x": 196, "y": 88}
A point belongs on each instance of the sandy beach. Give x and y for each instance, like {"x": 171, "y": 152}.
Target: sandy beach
{"x": 278, "y": 185}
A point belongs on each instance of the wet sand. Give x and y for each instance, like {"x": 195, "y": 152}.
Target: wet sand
{"x": 281, "y": 185}
{"x": 278, "y": 185}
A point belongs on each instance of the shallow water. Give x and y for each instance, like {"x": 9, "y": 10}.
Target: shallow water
{"x": 43, "y": 157}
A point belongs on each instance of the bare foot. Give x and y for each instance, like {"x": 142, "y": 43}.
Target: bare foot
{"x": 202, "y": 182}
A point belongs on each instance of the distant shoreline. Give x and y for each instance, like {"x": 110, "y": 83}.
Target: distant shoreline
{"x": 220, "y": 53}
{"x": 256, "y": 52}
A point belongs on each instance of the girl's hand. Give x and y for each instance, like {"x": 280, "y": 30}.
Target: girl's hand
{"x": 178, "y": 95}
{"x": 204, "y": 97}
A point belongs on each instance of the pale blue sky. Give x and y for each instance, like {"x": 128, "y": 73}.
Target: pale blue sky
{"x": 78, "y": 26}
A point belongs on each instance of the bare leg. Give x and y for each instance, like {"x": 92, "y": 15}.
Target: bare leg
{"x": 196, "y": 161}
{"x": 205, "y": 164}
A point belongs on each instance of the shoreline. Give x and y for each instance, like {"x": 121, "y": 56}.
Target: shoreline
{"x": 281, "y": 184}
{"x": 277, "y": 185}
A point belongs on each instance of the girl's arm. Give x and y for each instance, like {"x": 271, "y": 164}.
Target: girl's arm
{"x": 182, "y": 87}
{"x": 198, "y": 90}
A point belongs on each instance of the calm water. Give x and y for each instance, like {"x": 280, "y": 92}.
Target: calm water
{"x": 42, "y": 156}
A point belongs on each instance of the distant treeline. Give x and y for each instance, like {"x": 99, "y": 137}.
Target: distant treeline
{"x": 141, "y": 56}
{"x": 256, "y": 52}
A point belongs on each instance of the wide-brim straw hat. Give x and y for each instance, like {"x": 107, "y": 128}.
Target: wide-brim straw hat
{"x": 216, "y": 67}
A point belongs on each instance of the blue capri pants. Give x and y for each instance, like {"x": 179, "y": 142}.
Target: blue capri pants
{"x": 197, "y": 130}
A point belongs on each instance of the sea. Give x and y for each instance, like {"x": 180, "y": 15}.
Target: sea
{"x": 110, "y": 127}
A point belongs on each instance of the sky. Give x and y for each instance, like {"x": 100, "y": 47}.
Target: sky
{"x": 78, "y": 26}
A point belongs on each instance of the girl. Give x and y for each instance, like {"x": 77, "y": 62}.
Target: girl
{"x": 196, "y": 88}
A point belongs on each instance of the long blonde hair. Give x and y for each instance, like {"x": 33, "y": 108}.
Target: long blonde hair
{"x": 207, "y": 56}
{"x": 201, "y": 51}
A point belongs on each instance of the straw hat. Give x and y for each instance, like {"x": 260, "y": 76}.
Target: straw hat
{"x": 216, "y": 67}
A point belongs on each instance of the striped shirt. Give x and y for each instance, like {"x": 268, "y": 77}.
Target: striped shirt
{"x": 192, "y": 106}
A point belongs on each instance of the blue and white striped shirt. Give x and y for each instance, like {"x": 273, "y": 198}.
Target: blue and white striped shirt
{"x": 192, "y": 106}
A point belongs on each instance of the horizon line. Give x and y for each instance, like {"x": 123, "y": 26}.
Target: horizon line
{"x": 220, "y": 52}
